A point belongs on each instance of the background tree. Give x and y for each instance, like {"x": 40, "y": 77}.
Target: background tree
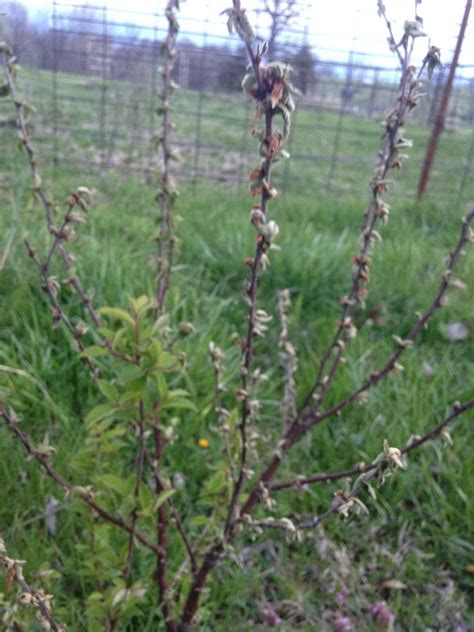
{"x": 281, "y": 13}
{"x": 230, "y": 77}
{"x": 304, "y": 62}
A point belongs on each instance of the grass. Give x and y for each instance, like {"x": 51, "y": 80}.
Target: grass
{"x": 419, "y": 530}
{"x": 95, "y": 125}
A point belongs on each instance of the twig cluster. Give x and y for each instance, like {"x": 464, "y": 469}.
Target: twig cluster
{"x": 269, "y": 86}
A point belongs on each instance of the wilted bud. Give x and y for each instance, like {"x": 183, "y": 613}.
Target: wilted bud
{"x": 413, "y": 440}
{"x": 26, "y": 598}
{"x": 393, "y": 455}
{"x": 458, "y": 284}
{"x": 256, "y": 216}
{"x": 56, "y": 314}
{"x": 404, "y": 344}
{"x": 83, "y": 197}
{"x": 269, "y": 231}
{"x": 81, "y": 329}
{"x": 75, "y": 217}
{"x": 397, "y": 368}
{"x": 186, "y": 328}
{"x": 241, "y": 394}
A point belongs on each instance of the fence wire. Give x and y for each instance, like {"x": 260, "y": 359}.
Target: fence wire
{"x": 103, "y": 97}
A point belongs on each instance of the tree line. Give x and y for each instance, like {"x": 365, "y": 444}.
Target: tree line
{"x": 78, "y": 43}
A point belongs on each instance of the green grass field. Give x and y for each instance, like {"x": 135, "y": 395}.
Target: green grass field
{"x": 419, "y": 531}
{"x": 97, "y": 126}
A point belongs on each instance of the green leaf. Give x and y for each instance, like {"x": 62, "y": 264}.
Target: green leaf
{"x": 117, "y": 314}
{"x": 94, "y": 351}
{"x": 162, "y": 385}
{"x": 114, "y": 483}
{"x": 141, "y": 304}
{"x": 215, "y": 490}
{"x": 169, "y": 362}
{"x": 157, "y": 350}
{"x": 106, "y": 332}
{"x": 99, "y": 412}
{"x": 151, "y": 394}
{"x": 128, "y": 372}
{"x": 176, "y": 403}
{"x": 146, "y": 501}
{"x": 178, "y": 392}
{"x": 162, "y": 498}
{"x": 108, "y": 390}
{"x": 119, "y": 334}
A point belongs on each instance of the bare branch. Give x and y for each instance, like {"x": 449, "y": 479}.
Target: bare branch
{"x": 166, "y": 194}
{"x": 162, "y": 540}
{"x": 50, "y": 286}
{"x": 160, "y": 484}
{"x": 59, "y": 234}
{"x": 378, "y": 209}
{"x": 434, "y": 432}
{"x": 222, "y": 414}
{"x": 289, "y": 361}
{"x": 136, "y": 491}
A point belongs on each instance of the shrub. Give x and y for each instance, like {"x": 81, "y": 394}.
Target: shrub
{"x": 150, "y": 535}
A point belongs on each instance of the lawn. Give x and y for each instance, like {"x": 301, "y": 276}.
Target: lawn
{"x": 415, "y": 548}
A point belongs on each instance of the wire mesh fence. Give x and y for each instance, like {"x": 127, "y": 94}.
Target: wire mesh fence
{"x": 101, "y": 103}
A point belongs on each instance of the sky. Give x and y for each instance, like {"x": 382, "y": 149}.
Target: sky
{"x": 334, "y": 27}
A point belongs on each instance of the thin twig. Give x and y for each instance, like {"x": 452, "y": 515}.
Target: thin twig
{"x": 377, "y": 210}
{"x": 160, "y": 484}
{"x": 262, "y": 93}
{"x": 344, "y": 501}
{"x": 162, "y": 539}
{"x": 24, "y": 138}
{"x": 167, "y": 193}
{"x": 251, "y": 295}
{"x": 222, "y": 413}
{"x": 50, "y": 286}
{"x": 136, "y": 491}
{"x": 43, "y": 198}
{"x": 289, "y": 362}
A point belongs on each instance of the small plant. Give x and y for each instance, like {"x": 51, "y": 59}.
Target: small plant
{"x": 153, "y": 537}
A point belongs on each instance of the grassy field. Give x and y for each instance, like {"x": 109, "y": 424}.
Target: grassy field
{"x": 95, "y": 126}
{"x": 419, "y": 531}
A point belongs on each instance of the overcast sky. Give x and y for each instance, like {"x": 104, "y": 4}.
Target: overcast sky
{"x": 334, "y": 26}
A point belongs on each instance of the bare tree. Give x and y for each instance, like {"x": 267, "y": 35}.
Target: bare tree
{"x": 281, "y": 14}
{"x": 17, "y": 28}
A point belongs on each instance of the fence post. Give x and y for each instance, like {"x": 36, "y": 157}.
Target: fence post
{"x": 345, "y": 101}
{"x": 440, "y": 116}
